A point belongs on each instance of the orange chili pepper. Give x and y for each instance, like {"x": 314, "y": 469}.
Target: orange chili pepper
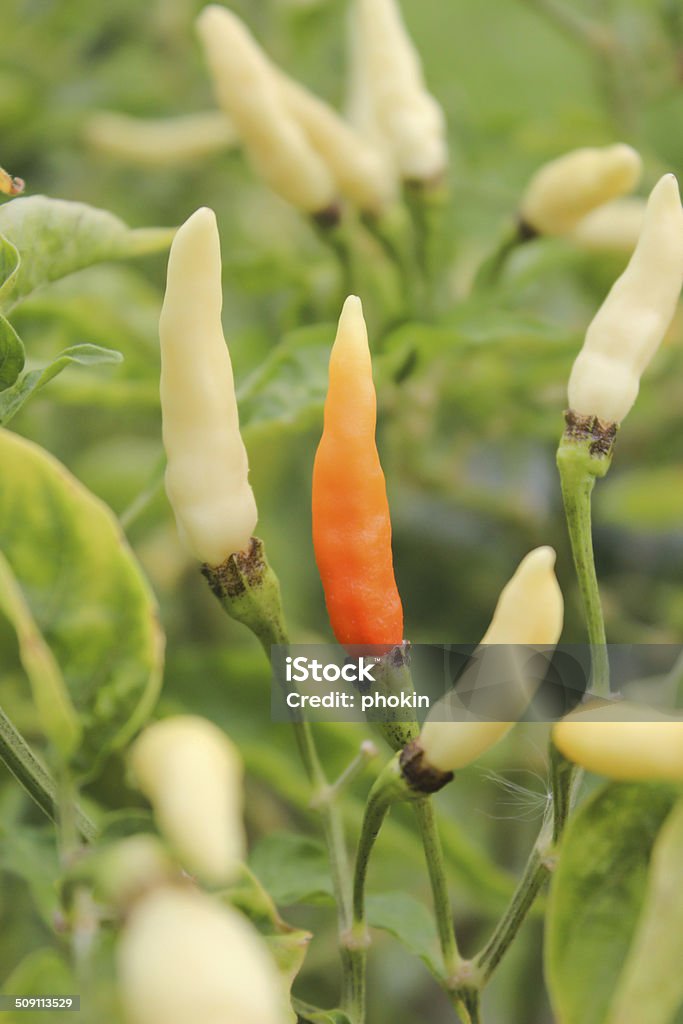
{"x": 351, "y": 524}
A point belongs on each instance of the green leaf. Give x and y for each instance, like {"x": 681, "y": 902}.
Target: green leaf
{"x": 252, "y": 898}
{"x": 85, "y": 592}
{"x": 651, "y": 984}
{"x": 11, "y": 354}
{"x": 597, "y": 895}
{"x": 292, "y": 868}
{"x": 288, "y": 945}
{"x": 645, "y": 499}
{"x": 30, "y": 854}
{"x": 57, "y": 714}
{"x": 46, "y": 239}
{"x": 42, "y": 972}
{"x": 409, "y": 921}
{"x": 14, "y": 397}
{"x": 288, "y": 389}
{"x": 308, "y": 1014}
{"x": 9, "y": 258}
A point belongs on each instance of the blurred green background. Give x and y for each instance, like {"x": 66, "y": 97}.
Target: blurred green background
{"x": 470, "y": 404}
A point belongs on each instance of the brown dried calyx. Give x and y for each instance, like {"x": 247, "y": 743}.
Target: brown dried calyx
{"x": 599, "y": 434}
{"x": 420, "y": 775}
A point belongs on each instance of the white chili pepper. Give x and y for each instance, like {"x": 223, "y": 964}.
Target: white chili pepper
{"x": 388, "y": 66}
{"x": 529, "y": 612}
{"x": 192, "y": 775}
{"x": 566, "y": 189}
{"x": 632, "y": 321}
{"x": 160, "y": 142}
{"x": 362, "y": 174}
{"x": 131, "y": 867}
{"x": 207, "y": 473}
{"x": 272, "y": 138}
{"x": 612, "y": 227}
{"x": 623, "y": 741}
{"x": 184, "y": 958}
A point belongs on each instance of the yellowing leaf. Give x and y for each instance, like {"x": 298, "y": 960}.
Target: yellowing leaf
{"x": 86, "y": 595}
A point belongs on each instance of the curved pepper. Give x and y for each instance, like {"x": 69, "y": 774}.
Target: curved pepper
{"x": 351, "y": 524}
{"x": 629, "y": 327}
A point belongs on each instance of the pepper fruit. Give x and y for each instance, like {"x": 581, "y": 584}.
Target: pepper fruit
{"x": 629, "y": 327}
{"x": 351, "y": 523}
{"x": 192, "y": 775}
{"x": 389, "y": 91}
{"x": 612, "y": 227}
{"x": 530, "y": 611}
{"x": 184, "y": 957}
{"x": 160, "y": 142}
{"x": 623, "y": 742}
{"x": 563, "y": 191}
{"x": 272, "y": 138}
{"x": 207, "y": 472}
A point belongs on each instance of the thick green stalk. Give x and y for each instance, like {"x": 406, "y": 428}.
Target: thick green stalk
{"x": 35, "y": 778}
{"x": 426, "y": 819}
{"x": 394, "y": 677}
{"x": 585, "y": 453}
{"x": 387, "y": 788}
{"x": 249, "y": 591}
{"x": 564, "y": 781}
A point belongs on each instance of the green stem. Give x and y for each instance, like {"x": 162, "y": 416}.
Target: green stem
{"x": 584, "y": 454}
{"x": 466, "y": 1005}
{"x": 388, "y": 236}
{"x": 249, "y": 591}
{"x": 573, "y": 24}
{"x": 424, "y": 812}
{"x": 425, "y": 204}
{"x": 335, "y": 236}
{"x": 491, "y": 269}
{"x": 613, "y": 68}
{"x": 379, "y": 801}
{"x": 376, "y": 809}
{"x": 356, "y": 767}
{"x": 576, "y": 495}
{"x": 564, "y": 780}
{"x": 535, "y": 873}
{"x": 142, "y": 501}
{"x": 394, "y": 677}
{"x": 35, "y": 779}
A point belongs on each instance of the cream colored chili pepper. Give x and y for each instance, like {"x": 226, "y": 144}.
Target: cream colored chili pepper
{"x": 184, "y": 958}
{"x": 192, "y": 775}
{"x": 632, "y": 321}
{"x": 160, "y": 142}
{"x": 623, "y": 741}
{"x": 207, "y": 473}
{"x": 612, "y": 227}
{"x": 130, "y": 868}
{"x": 362, "y": 173}
{"x": 272, "y": 138}
{"x": 565, "y": 190}
{"x": 530, "y": 612}
{"x": 408, "y": 116}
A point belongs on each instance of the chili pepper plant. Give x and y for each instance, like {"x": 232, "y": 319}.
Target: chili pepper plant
{"x": 349, "y": 323}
